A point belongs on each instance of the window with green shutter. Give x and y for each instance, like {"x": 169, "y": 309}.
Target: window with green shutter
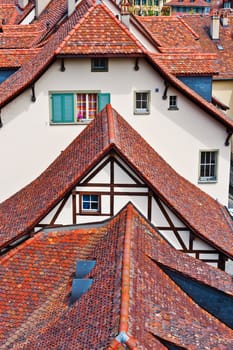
{"x": 77, "y": 107}
{"x": 62, "y": 108}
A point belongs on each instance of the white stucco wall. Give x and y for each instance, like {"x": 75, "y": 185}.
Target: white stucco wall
{"x": 28, "y": 143}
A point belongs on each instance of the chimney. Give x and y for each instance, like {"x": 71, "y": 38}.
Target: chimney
{"x": 71, "y": 6}
{"x": 224, "y": 19}
{"x": 40, "y": 6}
{"x": 214, "y": 26}
{"x": 125, "y": 12}
{"x": 22, "y": 3}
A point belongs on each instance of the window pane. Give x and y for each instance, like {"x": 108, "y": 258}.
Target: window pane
{"x": 86, "y": 197}
{"x": 81, "y": 106}
{"x": 86, "y": 106}
{"x": 142, "y": 101}
{"x": 99, "y": 64}
{"x": 90, "y": 202}
{"x": 208, "y": 165}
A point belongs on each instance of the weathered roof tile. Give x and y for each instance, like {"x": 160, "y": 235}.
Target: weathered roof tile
{"x": 131, "y": 294}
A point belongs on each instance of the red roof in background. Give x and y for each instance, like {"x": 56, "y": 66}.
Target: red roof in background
{"x": 34, "y": 68}
{"x": 130, "y": 295}
{"x": 188, "y": 3}
{"x": 189, "y": 35}
{"x": 200, "y": 212}
{"x": 201, "y": 27}
{"x": 100, "y": 32}
{"x": 12, "y": 13}
{"x": 170, "y": 34}
{"x": 188, "y": 64}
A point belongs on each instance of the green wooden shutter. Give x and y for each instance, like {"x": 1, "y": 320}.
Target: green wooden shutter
{"x": 103, "y": 99}
{"x": 62, "y": 108}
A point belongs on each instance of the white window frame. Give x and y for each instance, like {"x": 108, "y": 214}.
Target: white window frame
{"x": 206, "y": 165}
{"x": 145, "y": 110}
{"x": 91, "y": 201}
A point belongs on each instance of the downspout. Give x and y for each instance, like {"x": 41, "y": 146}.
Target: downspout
{"x": 165, "y": 90}
{"x": 123, "y": 337}
{"x": 1, "y": 125}
{"x": 229, "y": 134}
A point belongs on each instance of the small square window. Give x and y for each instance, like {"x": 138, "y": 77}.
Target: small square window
{"x": 173, "y": 103}
{"x": 90, "y": 203}
{"x": 208, "y": 166}
{"x": 142, "y": 102}
{"x": 99, "y": 64}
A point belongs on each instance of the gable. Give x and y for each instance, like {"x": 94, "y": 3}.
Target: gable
{"x": 113, "y": 183}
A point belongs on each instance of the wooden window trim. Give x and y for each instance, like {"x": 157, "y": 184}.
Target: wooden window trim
{"x": 89, "y": 212}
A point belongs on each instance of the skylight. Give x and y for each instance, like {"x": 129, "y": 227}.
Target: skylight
{"x": 220, "y": 47}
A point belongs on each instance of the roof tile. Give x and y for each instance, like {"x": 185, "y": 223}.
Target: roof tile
{"x": 130, "y": 291}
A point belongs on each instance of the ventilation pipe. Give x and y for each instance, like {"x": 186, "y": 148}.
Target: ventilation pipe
{"x": 214, "y": 26}
{"x": 23, "y": 3}
{"x": 224, "y": 19}
{"x": 125, "y": 12}
{"x": 71, "y": 6}
{"x": 40, "y": 6}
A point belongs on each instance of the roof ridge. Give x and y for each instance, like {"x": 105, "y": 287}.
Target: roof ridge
{"x": 111, "y": 122}
{"x": 123, "y": 336}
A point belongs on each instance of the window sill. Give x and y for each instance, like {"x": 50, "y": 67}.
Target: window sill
{"x": 89, "y": 213}
{"x": 141, "y": 113}
{"x": 207, "y": 181}
{"x": 83, "y": 122}
{"x": 173, "y": 108}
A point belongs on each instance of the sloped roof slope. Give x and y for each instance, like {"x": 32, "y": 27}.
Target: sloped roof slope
{"x": 33, "y": 69}
{"x": 205, "y": 216}
{"x": 100, "y": 32}
{"x": 190, "y": 34}
{"x": 133, "y": 303}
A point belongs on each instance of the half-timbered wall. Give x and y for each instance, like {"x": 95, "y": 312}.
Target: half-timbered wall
{"x": 116, "y": 184}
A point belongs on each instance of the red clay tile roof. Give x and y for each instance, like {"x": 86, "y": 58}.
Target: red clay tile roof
{"x": 33, "y": 69}
{"x": 16, "y": 58}
{"x": 170, "y": 34}
{"x": 185, "y": 3}
{"x": 131, "y": 295}
{"x": 189, "y": 34}
{"x": 201, "y": 213}
{"x": 201, "y": 26}
{"x": 187, "y": 64}
{"x": 100, "y": 32}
